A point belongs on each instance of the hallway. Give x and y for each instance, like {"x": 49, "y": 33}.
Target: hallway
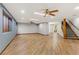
{"x": 37, "y": 44}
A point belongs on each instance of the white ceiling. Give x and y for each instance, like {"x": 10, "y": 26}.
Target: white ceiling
{"x": 65, "y": 9}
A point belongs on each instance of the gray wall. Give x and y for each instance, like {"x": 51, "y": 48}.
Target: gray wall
{"x": 0, "y": 19}
{"x": 6, "y": 37}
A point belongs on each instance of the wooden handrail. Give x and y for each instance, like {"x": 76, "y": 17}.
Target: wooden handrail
{"x": 73, "y": 25}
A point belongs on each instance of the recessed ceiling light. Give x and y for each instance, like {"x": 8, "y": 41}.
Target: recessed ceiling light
{"x": 22, "y": 11}
{"x": 38, "y": 13}
{"x": 34, "y": 19}
{"x": 76, "y": 8}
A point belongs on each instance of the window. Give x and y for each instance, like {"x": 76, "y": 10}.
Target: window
{"x": 5, "y": 24}
{"x": 7, "y": 21}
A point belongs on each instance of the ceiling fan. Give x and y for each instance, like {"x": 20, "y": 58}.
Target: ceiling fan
{"x": 47, "y": 12}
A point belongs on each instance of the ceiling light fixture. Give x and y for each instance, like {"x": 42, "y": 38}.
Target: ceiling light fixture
{"x": 34, "y": 19}
{"x": 37, "y": 13}
{"x": 76, "y": 8}
{"x": 22, "y": 11}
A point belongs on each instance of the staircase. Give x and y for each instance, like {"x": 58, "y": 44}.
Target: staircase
{"x": 68, "y": 31}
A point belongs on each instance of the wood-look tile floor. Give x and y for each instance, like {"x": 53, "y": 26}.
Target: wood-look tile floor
{"x": 36, "y": 44}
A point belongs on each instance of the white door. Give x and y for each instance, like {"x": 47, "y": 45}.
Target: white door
{"x": 52, "y": 27}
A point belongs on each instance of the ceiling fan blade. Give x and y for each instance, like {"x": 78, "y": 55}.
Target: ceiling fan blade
{"x": 54, "y": 11}
{"x": 52, "y": 14}
{"x": 47, "y": 12}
